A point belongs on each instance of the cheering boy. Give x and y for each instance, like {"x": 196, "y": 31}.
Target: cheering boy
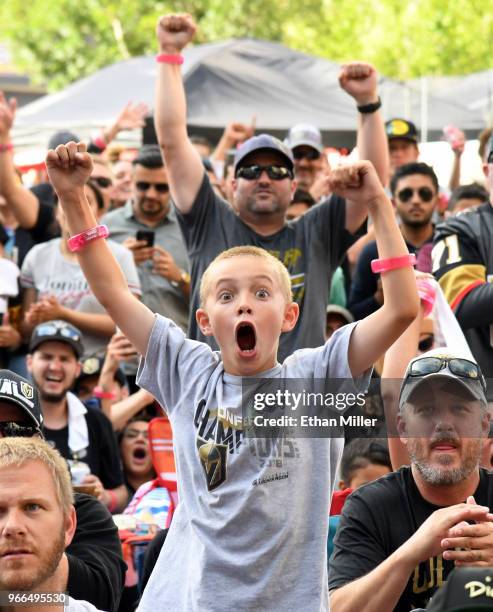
{"x": 250, "y": 530}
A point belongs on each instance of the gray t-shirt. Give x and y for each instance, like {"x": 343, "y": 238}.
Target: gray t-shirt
{"x": 158, "y": 293}
{"x": 311, "y": 248}
{"x": 250, "y": 531}
{"x": 46, "y": 270}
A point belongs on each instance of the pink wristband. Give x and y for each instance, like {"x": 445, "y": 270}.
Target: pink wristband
{"x": 4, "y": 148}
{"x": 392, "y": 263}
{"x": 99, "y": 142}
{"x": 427, "y": 294}
{"x": 164, "y": 58}
{"x": 80, "y": 240}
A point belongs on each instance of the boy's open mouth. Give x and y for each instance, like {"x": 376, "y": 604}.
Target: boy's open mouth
{"x": 245, "y": 337}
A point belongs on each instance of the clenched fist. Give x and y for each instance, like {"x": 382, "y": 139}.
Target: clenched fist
{"x": 174, "y": 32}
{"x": 69, "y": 167}
{"x": 358, "y": 182}
{"x": 359, "y": 80}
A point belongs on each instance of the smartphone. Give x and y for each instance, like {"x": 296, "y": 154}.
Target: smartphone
{"x": 147, "y": 235}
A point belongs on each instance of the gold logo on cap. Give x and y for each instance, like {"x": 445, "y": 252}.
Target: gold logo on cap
{"x": 27, "y": 390}
{"x": 90, "y": 366}
{"x": 399, "y": 127}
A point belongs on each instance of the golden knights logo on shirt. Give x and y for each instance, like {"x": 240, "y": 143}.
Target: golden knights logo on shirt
{"x": 213, "y": 459}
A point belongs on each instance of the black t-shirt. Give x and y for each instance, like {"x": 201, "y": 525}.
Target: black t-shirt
{"x": 310, "y": 247}
{"x": 377, "y": 519}
{"x": 96, "y": 568}
{"x": 101, "y": 455}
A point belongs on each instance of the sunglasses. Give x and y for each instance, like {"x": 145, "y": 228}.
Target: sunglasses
{"x": 159, "y": 187}
{"x": 310, "y": 154}
{"x": 458, "y": 366}
{"x": 426, "y": 344}
{"x": 490, "y": 158}
{"x": 102, "y": 181}
{"x": 425, "y": 194}
{"x": 52, "y": 330}
{"x": 12, "y": 429}
{"x": 275, "y": 173}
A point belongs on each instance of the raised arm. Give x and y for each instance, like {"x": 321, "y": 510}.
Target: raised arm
{"x": 183, "y": 163}
{"x": 69, "y": 167}
{"x": 360, "y": 81}
{"x": 22, "y": 202}
{"x": 374, "y": 334}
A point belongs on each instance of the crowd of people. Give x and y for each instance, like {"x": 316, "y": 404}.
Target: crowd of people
{"x": 146, "y": 295}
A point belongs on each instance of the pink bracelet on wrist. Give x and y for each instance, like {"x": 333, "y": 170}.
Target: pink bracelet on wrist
{"x": 427, "y": 294}
{"x": 392, "y": 263}
{"x": 4, "y": 148}
{"x": 77, "y": 242}
{"x": 165, "y": 58}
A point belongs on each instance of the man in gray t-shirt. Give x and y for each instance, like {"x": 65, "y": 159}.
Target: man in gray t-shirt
{"x": 311, "y": 248}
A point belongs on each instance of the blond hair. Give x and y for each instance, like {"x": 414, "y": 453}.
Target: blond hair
{"x": 250, "y": 251}
{"x": 17, "y": 451}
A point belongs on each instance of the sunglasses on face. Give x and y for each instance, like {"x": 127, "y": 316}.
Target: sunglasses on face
{"x": 310, "y": 154}
{"x": 458, "y": 366}
{"x": 52, "y": 330}
{"x": 159, "y": 187}
{"x": 12, "y": 429}
{"x": 426, "y": 344}
{"x": 102, "y": 181}
{"x": 425, "y": 194}
{"x": 275, "y": 173}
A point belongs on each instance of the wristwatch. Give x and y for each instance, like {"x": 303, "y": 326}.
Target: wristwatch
{"x": 184, "y": 279}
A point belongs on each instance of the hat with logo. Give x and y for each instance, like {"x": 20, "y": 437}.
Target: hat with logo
{"x": 401, "y": 128}
{"x": 60, "y": 331}
{"x": 263, "y": 142}
{"x": 19, "y": 391}
{"x": 93, "y": 365}
{"x": 445, "y": 364}
{"x": 468, "y": 589}
{"x": 304, "y": 134}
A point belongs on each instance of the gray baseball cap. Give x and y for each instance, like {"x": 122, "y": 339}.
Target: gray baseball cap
{"x": 445, "y": 364}
{"x": 304, "y": 134}
{"x": 263, "y": 142}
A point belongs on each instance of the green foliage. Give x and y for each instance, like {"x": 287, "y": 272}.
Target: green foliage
{"x": 59, "y": 42}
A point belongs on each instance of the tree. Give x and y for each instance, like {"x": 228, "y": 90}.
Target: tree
{"x": 64, "y": 41}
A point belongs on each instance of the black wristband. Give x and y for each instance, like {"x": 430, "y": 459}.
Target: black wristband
{"x": 370, "y": 108}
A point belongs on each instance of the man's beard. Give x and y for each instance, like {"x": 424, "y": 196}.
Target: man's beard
{"x": 439, "y": 476}
{"x": 251, "y": 206}
{"x": 417, "y": 222}
{"x": 26, "y": 580}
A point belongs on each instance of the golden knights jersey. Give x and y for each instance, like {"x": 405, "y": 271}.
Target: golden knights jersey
{"x": 463, "y": 264}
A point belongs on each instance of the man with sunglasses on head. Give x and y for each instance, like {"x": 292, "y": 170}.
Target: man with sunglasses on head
{"x": 83, "y": 435}
{"x": 414, "y": 190}
{"x": 163, "y": 265}
{"x": 95, "y": 565}
{"x": 312, "y": 247}
{"x": 401, "y": 536}
{"x": 463, "y": 264}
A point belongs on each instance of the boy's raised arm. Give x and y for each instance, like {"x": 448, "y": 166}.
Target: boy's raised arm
{"x": 69, "y": 167}
{"x": 374, "y": 334}
{"x": 183, "y": 163}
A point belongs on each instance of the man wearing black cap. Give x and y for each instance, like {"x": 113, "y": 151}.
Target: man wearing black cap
{"x": 402, "y": 136}
{"x": 83, "y": 436}
{"x": 95, "y": 564}
{"x": 400, "y": 536}
{"x": 312, "y": 247}
{"x": 463, "y": 264}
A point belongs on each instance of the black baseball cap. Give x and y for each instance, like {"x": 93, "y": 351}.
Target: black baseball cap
{"x": 93, "y": 364}
{"x": 62, "y": 137}
{"x": 468, "y": 589}
{"x": 21, "y": 392}
{"x": 58, "y": 330}
{"x": 401, "y": 128}
{"x": 263, "y": 142}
